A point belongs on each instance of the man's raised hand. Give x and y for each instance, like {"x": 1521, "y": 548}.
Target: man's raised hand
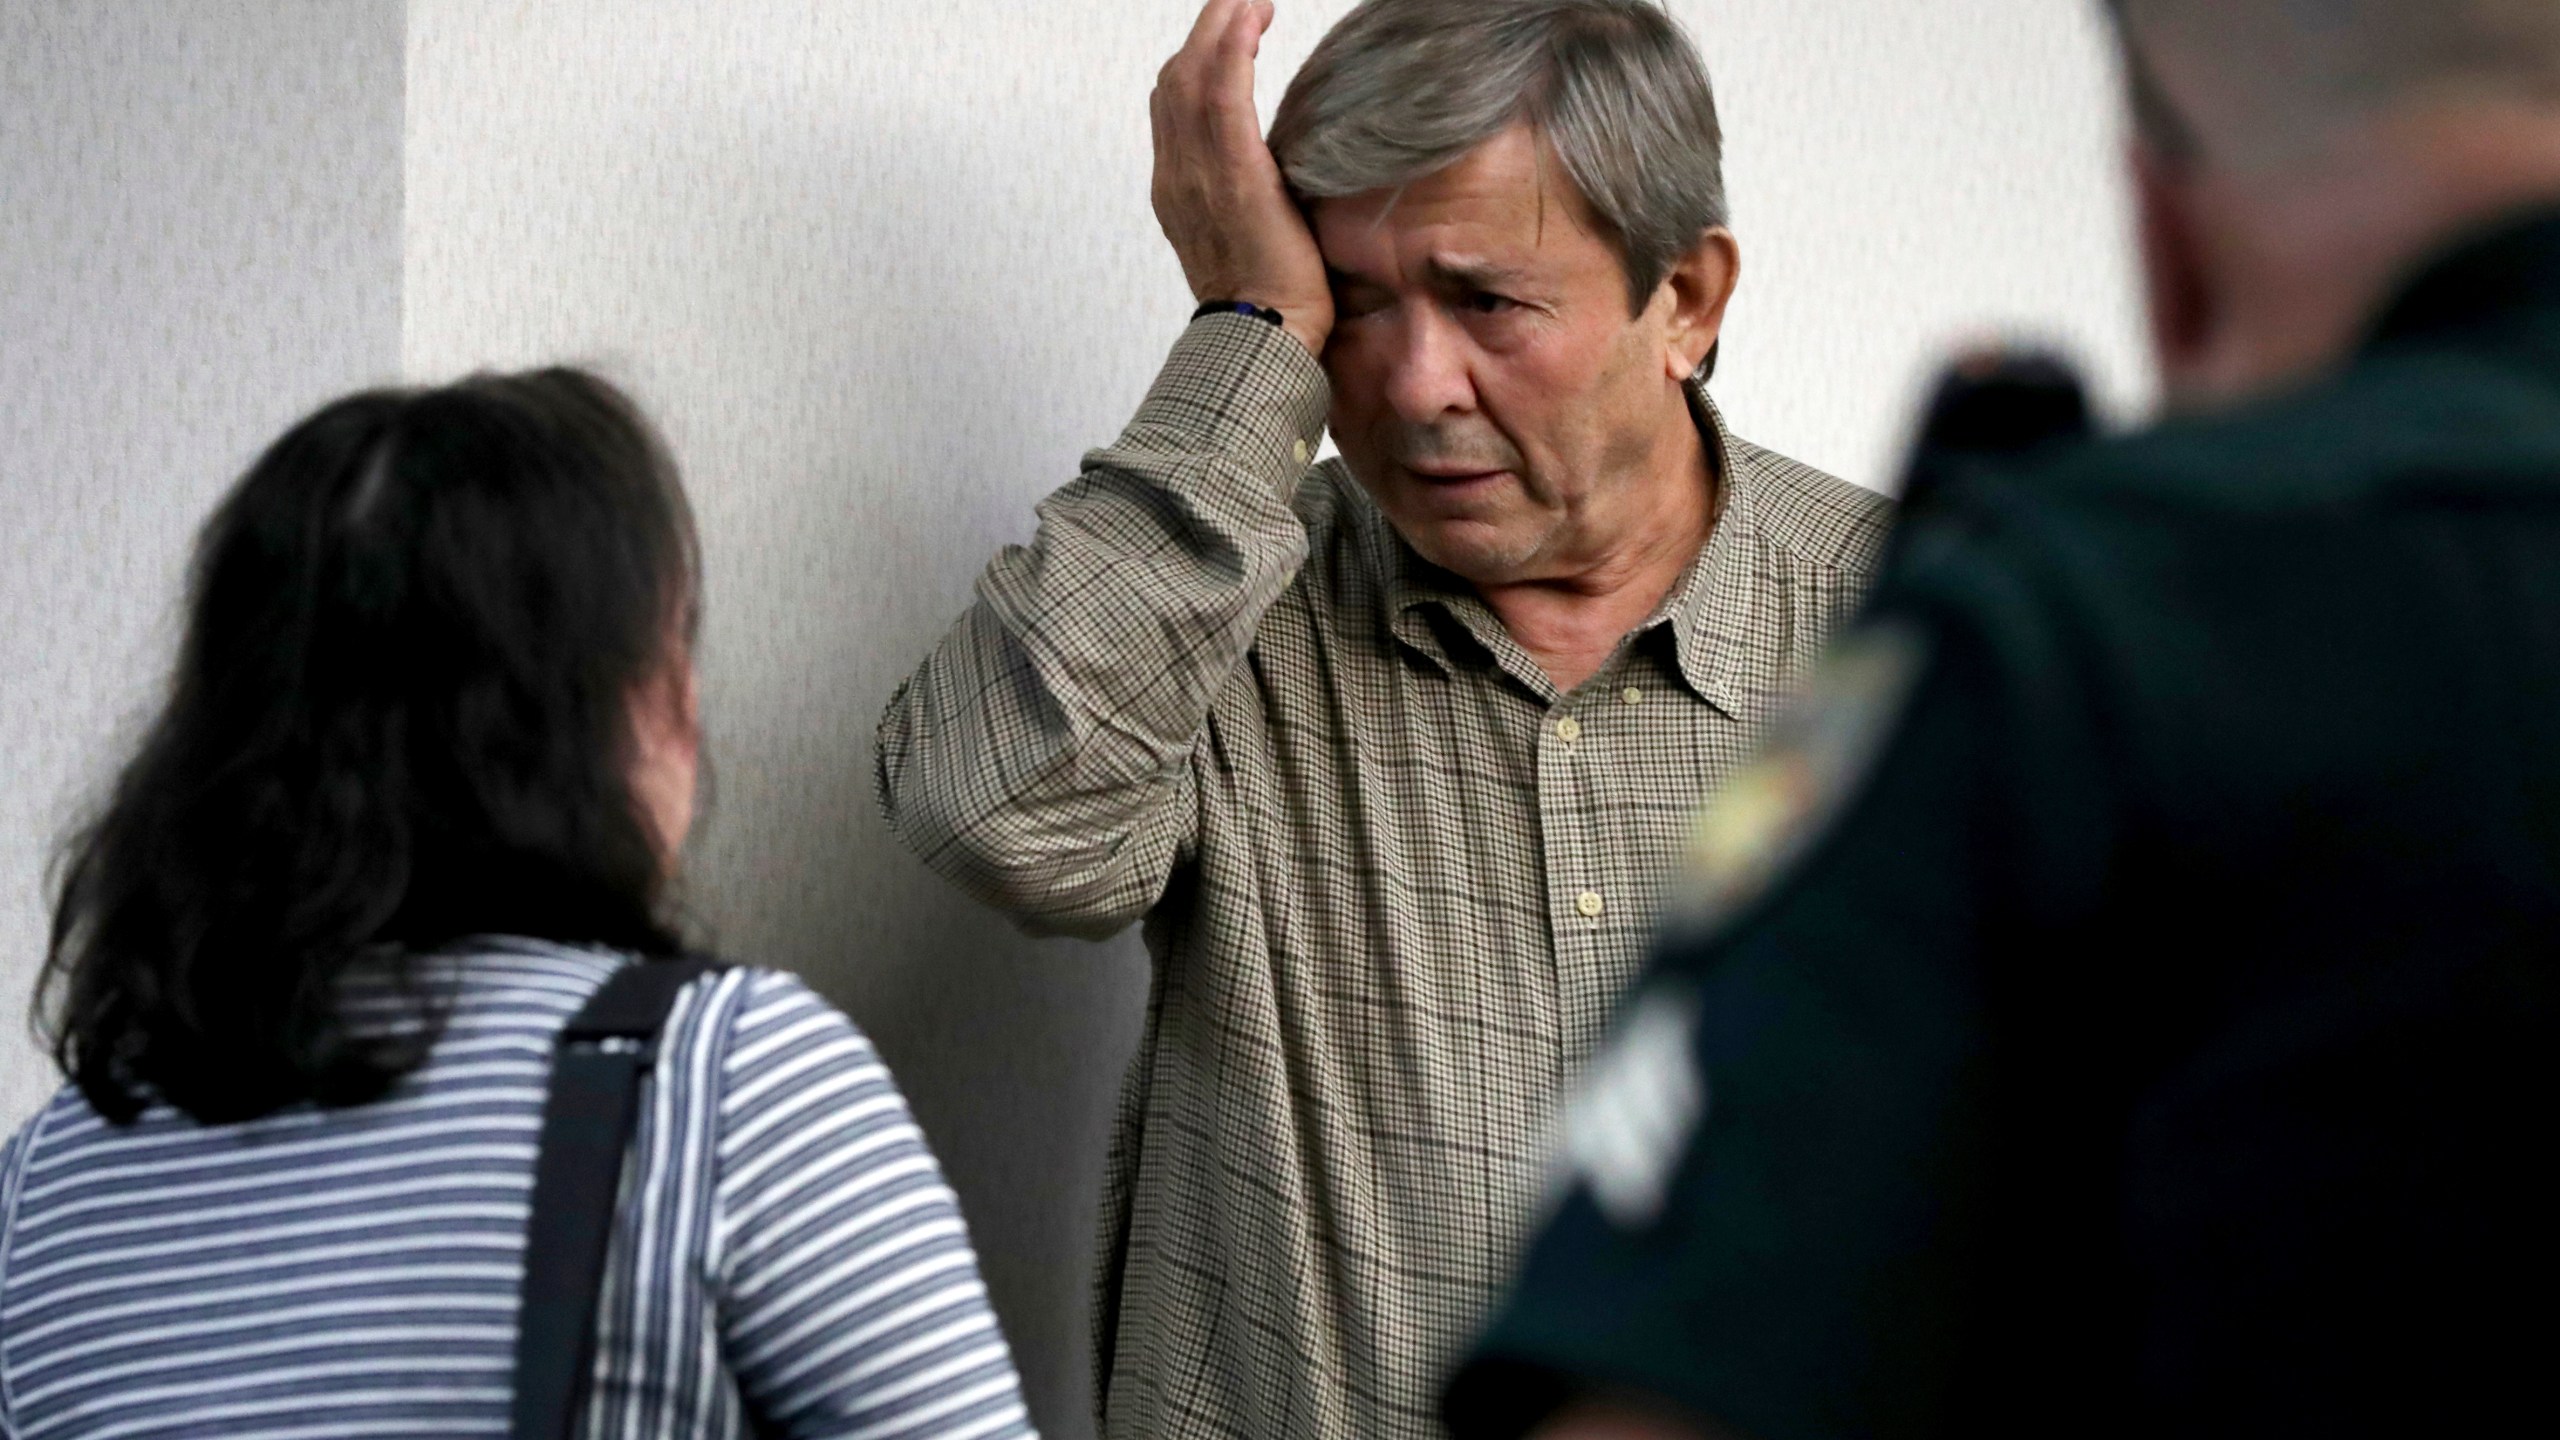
{"x": 1218, "y": 193}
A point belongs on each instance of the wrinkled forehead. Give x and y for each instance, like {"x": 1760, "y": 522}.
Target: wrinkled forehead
{"x": 1505, "y": 207}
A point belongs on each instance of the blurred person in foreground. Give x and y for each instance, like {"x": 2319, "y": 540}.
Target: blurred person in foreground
{"x": 419, "y": 786}
{"x": 2122, "y": 1003}
{"x": 1392, "y": 752}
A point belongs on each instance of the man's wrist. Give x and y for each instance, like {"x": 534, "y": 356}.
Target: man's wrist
{"x": 1263, "y": 313}
{"x": 1312, "y": 324}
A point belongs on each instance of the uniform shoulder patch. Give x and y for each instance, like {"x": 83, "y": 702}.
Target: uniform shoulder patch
{"x": 1635, "y": 1109}
{"x": 1818, "y": 753}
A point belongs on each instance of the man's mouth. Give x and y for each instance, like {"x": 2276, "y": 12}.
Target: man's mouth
{"x": 1452, "y": 475}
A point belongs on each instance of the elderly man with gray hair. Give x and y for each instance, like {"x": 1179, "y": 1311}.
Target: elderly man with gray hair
{"x": 1390, "y": 753}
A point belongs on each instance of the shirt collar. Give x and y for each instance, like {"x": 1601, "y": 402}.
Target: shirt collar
{"x": 1707, "y": 613}
{"x": 2491, "y": 275}
{"x": 1715, "y": 606}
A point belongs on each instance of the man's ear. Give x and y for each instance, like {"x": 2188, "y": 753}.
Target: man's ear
{"x": 1699, "y": 287}
{"x": 2175, "y": 268}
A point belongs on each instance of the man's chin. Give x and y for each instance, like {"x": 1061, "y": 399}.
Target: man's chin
{"x": 1483, "y": 543}
{"x": 1475, "y": 551}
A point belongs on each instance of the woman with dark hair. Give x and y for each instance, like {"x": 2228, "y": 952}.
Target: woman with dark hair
{"x": 418, "y": 789}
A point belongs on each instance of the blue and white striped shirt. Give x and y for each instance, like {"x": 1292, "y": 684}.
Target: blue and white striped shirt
{"x": 787, "y": 1261}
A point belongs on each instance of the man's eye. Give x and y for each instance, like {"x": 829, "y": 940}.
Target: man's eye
{"x": 1485, "y": 302}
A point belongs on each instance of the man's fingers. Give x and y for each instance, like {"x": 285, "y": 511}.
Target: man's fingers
{"x": 1228, "y": 99}
{"x": 1238, "y": 44}
{"x": 1242, "y": 36}
{"x": 1204, "y": 95}
{"x": 1194, "y": 65}
{"x": 1234, "y": 129}
{"x": 1205, "y": 30}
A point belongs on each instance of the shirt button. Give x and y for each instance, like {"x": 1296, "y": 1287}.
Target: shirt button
{"x": 1299, "y": 449}
{"x": 1590, "y": 904}
{"x": 1632, "y": 695}
{"x": 1568, "y": 729}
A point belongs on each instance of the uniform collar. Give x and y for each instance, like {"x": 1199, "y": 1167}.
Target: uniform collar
{"x": 2508, "y": 268}
{"x": 1705, "y": 615}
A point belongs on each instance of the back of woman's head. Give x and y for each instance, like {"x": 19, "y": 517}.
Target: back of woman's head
{"x": 401, "y": 714}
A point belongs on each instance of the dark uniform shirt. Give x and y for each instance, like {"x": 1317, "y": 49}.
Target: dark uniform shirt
{"x": 2123, "y": 1000}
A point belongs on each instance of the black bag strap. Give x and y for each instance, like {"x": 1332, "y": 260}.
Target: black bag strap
{"x": 587, "y": 1121}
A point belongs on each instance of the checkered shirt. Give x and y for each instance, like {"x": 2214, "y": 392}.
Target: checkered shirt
{"x": 1392, "y": 879}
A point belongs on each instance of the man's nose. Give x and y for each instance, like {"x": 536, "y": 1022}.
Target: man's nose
{"x": 1427, "y": 375}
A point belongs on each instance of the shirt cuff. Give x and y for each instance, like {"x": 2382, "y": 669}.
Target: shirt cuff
{"x": 1241, "y": 389}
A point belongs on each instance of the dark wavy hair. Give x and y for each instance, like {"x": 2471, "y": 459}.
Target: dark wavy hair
{"x": 401, "y": 714}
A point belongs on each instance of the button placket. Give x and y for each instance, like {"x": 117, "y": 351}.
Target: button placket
{"x": 1570, "y": 855}
{"x": 1564, "y": 847}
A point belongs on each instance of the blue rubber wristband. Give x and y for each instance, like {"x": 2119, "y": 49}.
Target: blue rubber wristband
{"x": 1263, "y": 313}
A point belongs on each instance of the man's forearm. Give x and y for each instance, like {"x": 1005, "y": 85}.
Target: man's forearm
{"x": 1039, "y": 756}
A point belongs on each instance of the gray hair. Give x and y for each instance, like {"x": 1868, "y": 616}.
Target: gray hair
{"x": 2271, "y": 77}
{"x": 1402, "y": 88}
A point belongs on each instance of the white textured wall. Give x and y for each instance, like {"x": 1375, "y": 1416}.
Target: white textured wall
{"x": 884, "y": 270}
{"x": 199, "y": 239}
{"x": 1906, "y": 177}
